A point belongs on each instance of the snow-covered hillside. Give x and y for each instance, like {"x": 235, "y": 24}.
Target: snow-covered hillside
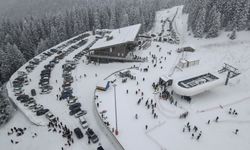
{"x": 165, "y": 129}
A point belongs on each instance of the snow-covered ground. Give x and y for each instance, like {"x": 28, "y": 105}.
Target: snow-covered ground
{"x": 166, "y": 131}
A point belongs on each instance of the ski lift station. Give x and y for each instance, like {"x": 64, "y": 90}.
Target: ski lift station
{"x": 195, "y": 85}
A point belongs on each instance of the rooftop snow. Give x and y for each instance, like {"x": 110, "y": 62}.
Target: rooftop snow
{"x": 121, "y": 35}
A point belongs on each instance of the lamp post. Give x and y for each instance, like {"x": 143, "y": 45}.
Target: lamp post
{"x": 116, "y": 125}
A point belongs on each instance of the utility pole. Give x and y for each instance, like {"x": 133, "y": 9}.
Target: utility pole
{"x": 116, "y": 124}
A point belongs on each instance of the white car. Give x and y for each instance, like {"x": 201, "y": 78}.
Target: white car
{"x": 32, "y": 105}
{"x": 45, "y": 91}
{"x": 37, "y": 108}
{"x": 71, "y": 102}
{"x": 80, "y": 113}
{"x": 50, "y": 116}
{"x": 29, "y": 103}
{"x": 83, "y": 122}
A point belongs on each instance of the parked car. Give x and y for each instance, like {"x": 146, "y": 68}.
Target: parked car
{"x": 78, "y": 133}
{"x": 45, "y": 91}
{"x": 83, "y": 122}
{"x": 92, "y": 135}
{"x": 74, "y": 111}
{"x": 33, "y": 92}
{"x": 32, "y": 105}
{"x": 18, "y": 93}
{"x": 50, "y": 116}
{"x": 23, "y": 96}
{"x": 100, "y": 148}
{"x": 80, "y": 113}
{"x": 17, "y": 89}
{"x": 74, "y": 106}
{"x": 29, "y": 103}
{"x": 42, "y": 112}
{"x": 37, "y": 108}
{"x": 71, "y": 101}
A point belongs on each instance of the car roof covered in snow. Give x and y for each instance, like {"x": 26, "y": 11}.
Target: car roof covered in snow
{"x": 118, "y": 36}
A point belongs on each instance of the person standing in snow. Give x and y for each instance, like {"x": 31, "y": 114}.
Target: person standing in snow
{"x": 208, "y": 122}
{"x": 236, "y": 131}
{"x": 216, "y": 119}
{"x": 136, "y": 116}
{"x": 146, "y": 127}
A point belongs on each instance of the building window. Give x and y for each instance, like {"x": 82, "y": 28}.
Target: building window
{"x": 122, "y": 54}
{"x": 110, "y": 50}
{"x": 118, "y": 54}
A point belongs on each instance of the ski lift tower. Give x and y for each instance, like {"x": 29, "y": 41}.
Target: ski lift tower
{"x": 232, "y": 72}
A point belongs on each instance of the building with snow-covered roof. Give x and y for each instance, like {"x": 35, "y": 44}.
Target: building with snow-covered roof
{"x": 115, "y": 46}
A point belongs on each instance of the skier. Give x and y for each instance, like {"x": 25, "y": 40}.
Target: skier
{"x": 146, "y": 127}
{"x": 127, "y": 91}
{"x": 208, "y": 122}
{"x": 136, "y": 116}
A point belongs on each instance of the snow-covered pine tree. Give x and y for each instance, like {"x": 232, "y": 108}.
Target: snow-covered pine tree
{"x": 200, "y": 23}
{"x": 112, "y": 22}
{"x": 5, "y": 66}
{"x": 15, "y": 55}
{"x": 54, "y": 36}
{"x": 242, "y": 7}
{"x": 215, "y": 23}
{"x": 124, "y": 19}
{"x": 233, "y": 35}
{"x": 97, "y": 24}
{"x": 42, "y": 46}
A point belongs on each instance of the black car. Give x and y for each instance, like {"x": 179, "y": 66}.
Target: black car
{"x": 100, "y": 148}
{"x": 78, "y": 133}
{"x": 41, "y": 112}
{"x": 74, "y": 111}
{"x": 24, "y": 100}
{"x": 65, "y": 95}
{"x": 92, "y": 135}
{"x": 23, "y": 96}
{"x": 33, "y": 92}
{"x": 74, "y": 106}
{"x": 53, "y": 50}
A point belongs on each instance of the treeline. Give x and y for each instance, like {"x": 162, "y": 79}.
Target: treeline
{"x": 207, "y": 17}
{"x": 22, "y": 40}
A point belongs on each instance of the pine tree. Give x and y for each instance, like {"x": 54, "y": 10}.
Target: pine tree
{"x": 215, "y": 23}
{"x": 42, "y": 46}
{"x": 97, "y": 24}
{"x": 124, "y": 19}
{"x": 200, "y": 23}
{"x": 54, "y": 37}
{"x": 5, "y": 66}
{"x": 241, "y": 15}
{"x": 16, "y": 58}
{"x": 233, "y": 35}
{"x": 112, "y": 23}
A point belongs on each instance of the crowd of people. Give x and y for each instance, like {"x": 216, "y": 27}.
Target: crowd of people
{"x": 58, "y": 127}
{"x": 193, "y": 130}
